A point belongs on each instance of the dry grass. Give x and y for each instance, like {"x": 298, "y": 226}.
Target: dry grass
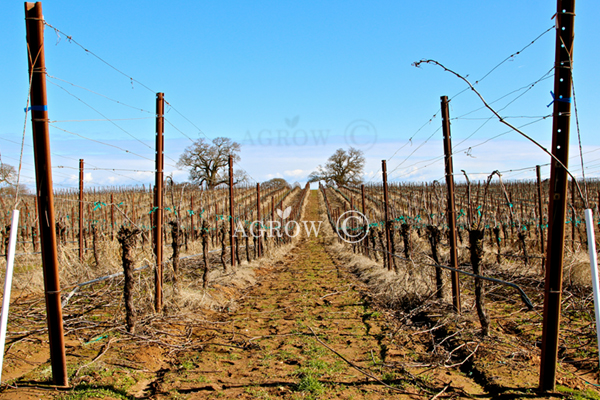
{"x": 577, "y": 270}
{"x": 414, "y": 282}
{"x": 409, "y": 287}
{"x": 223, "y": 290}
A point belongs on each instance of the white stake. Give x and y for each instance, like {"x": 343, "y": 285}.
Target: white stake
{"x": 589, "y": 223}
{"x": 10, "y": 260}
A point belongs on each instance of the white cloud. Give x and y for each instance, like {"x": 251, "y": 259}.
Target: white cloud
{"x": 295, "y": 173}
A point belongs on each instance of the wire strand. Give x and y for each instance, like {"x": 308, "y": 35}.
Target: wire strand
{"x": 108, "y": 119}
{"x": 416, "y": 64}
{"x": 32, "y": 63}
{"x": 71, "y": 40}
{"x": 466, "y": 89}
{"x": 100, "y": 94}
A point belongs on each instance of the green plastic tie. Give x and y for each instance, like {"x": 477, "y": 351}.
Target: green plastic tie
{"x": 96, "y": 339}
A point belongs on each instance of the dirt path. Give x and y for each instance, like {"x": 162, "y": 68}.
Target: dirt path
{"x": 281, "y": 357}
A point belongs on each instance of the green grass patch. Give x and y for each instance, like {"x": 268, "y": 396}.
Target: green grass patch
{"x": 310, "y": 384}
{"x": 187, "y": 365}
{"x": 258, "y": 393}
{"x": 87, "y": 391}
{"x": 283, "y": 355}
{"x": 578, "y": 394}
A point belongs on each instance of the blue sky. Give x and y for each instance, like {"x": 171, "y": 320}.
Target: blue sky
{"x": 293, "y": 81}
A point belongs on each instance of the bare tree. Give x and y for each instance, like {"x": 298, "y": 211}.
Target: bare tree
{"x": 274, "y": 183}
{"x": 8, "y": 181}
{"x": 208, "y": 162}
{"x": 7, "y": 174}
{"x": 342, "y": 168}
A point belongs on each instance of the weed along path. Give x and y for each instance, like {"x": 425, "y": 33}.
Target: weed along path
{"x": 275, "y": 345}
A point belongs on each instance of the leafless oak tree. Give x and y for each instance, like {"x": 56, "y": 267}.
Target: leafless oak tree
{"x": 8, "y": 181}
{"x": 274, "y": 183}
{"x": 342, "y": 168}
{"x": 208, "y": 162}
{"x": 7, "y": 174}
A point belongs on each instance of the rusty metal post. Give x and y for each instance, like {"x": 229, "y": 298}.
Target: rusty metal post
{"x": 272, "y": 217}
{"x": 89, "y": 229}
{"x": 258, "y": 218}
{"x": 386, "y": 214}
{"x": 81, "y": 246}
{"x": 557, "y": 207}
{"x": 192, "y": 230}
{"x": 451, "y": 213}
{"x": 72, "y": 224}
{"x": 364, "y": 211}
{"x": 216, "y": 228}
{"x": 273, "y": 207}
{"x": 231, "y": 222}
{"x": 112, "y": 217}
{"x": 573, "y": 214}
{"x": 538, "y": 174}
{"x": 34, "y": 21}
{"x": 133, "y": 216}
{"x": 158, "y": 203}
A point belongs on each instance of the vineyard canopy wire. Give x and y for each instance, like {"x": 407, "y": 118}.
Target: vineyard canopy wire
{"x": 502, "y": 120}
{"x": 510, "y": 57}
